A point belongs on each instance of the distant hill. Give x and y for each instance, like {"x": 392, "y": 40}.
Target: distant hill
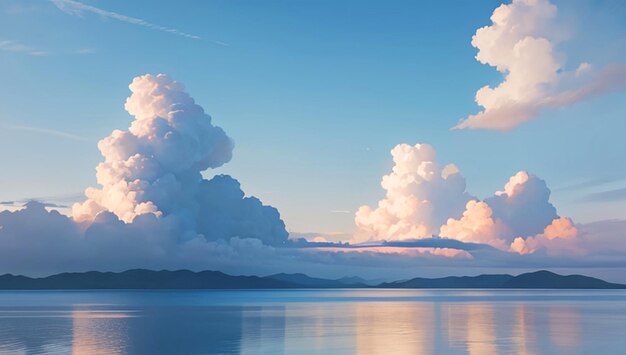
{"x": 547, "y": 279}
{"x": 140, "y": 279}
{"x": 185, "y": 279}
{"x": 482, "y": 281}
{"x": 303, "y": 280}
{"x": 538, "y": 279}
{"x": 355, "y": 280}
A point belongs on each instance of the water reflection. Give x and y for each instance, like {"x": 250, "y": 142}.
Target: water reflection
{"x": 565, "y": 330}
{"x": 263, "y": 330}
{"x": 397, "y": 328}
{"x": 184, "y": 330}
{"x": 236, "y": 322}
{"x": 523, "y": 337}
{"x": 97, "y": 332}
{"x": 480, "y": 329}
{"x": 471, "y": 327}
{"x": 34, "y": 331}
{"x": 318, "y": 327}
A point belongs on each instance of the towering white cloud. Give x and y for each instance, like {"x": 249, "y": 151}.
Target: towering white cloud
{"x": 520, "y": 43}
{"x": 155, "y": 167}
{"x": 154, "y": 209}
{"x": 420, "y": 196}
{"x": 477, "y": 226}
{"x": 521, "y": 209}
{"x": 524, "y": 205}
{"x": 423, "y": 199}
{"x": 557, "y": 238}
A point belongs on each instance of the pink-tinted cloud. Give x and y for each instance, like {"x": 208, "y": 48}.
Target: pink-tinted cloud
{"x": 419, "y": 203}
{"x": 557, "y": 238}
{"x": 476, "y": 226}
{"x": 520, "y": 43}
{"x": 420, "y": 196}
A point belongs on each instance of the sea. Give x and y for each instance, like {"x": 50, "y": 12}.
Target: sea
{"x": 307, "y": 321}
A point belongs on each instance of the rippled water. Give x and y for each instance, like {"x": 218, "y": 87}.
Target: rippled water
{"x": 313, "y": 321}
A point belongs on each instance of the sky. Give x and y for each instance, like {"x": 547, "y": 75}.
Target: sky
{"x": 315, "y": 97}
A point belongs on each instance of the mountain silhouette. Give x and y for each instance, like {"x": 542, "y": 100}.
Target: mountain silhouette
{"x": 185, "y": 279}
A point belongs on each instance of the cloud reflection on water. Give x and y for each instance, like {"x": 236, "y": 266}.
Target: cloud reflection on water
{"x": 365, "y": 322}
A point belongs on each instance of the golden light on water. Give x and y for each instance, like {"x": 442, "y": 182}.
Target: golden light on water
{"x": 96, "y": 332}
{"x": 394, "y": 328}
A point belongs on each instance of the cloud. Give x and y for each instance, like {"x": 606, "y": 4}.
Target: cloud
{"x": 46, "y": 131}
{"x": 423, "y": 199}
{"x": 61, "y": 203}
{"x": 77, "y": 8}
{"x": 609, "y": 79}
{"x": 38, "y": 242}
{"x": 327, "y": 236}
{"x": 86, "y": 51}
{"x": 431, "y": 242}
{"x": 17, "y": 47}
{"x": 522, "y": 208}
{"x": 558, "y": 237}
{"x": 520, "y": 43}
{"x": 34, "y": 240}
{"x": 606, "y": 238}
{"x": 592, "y": 183}
{"x": 606, "y": 196}
{"x": 154, "y": 209}
{"x": 147, "y": 168}
{"x": 420, "y": 196}
{"x": 155, "y": 168}
{"x": 476, "y": 226}
{"x": 524, "y": 204}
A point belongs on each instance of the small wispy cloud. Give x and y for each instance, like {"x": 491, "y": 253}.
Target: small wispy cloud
{"x": 340, "y": 211}
{"x": 59, "y": 199}
{"x": 605, "y": 180}
{"x": 77, "y": 9}
{"x": 18, "y": 47}
{"x": 60, "y": 202}
{"x": 606, "y": 196}
{"x": 48, "y": 131}
{"x": 21, "y": 203}
{"x": 84, "y": 51}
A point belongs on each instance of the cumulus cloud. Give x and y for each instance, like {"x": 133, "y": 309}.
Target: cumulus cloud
{"x": 423, "y": 199}
{"x": 524, "y": 204}
{"x": 155, "y": 167}
{"x": 558, "y": 237}
{"x": 420, "y": 196}
{"x": 522, "y": 208}
{"x": 147, "y": 167}
{"x": 34, "y": 240}
{"x": 32, "y": 237}
{"x": 153, "y": 206}
{"x": 476, "y": 226}
{"x": 154, "y": 209}
{"x": 520, "y": 43}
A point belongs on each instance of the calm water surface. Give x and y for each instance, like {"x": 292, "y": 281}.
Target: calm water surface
{"x": 313, "y": 321}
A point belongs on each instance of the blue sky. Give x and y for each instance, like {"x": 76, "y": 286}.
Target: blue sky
{"x": 314, "y": 93}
